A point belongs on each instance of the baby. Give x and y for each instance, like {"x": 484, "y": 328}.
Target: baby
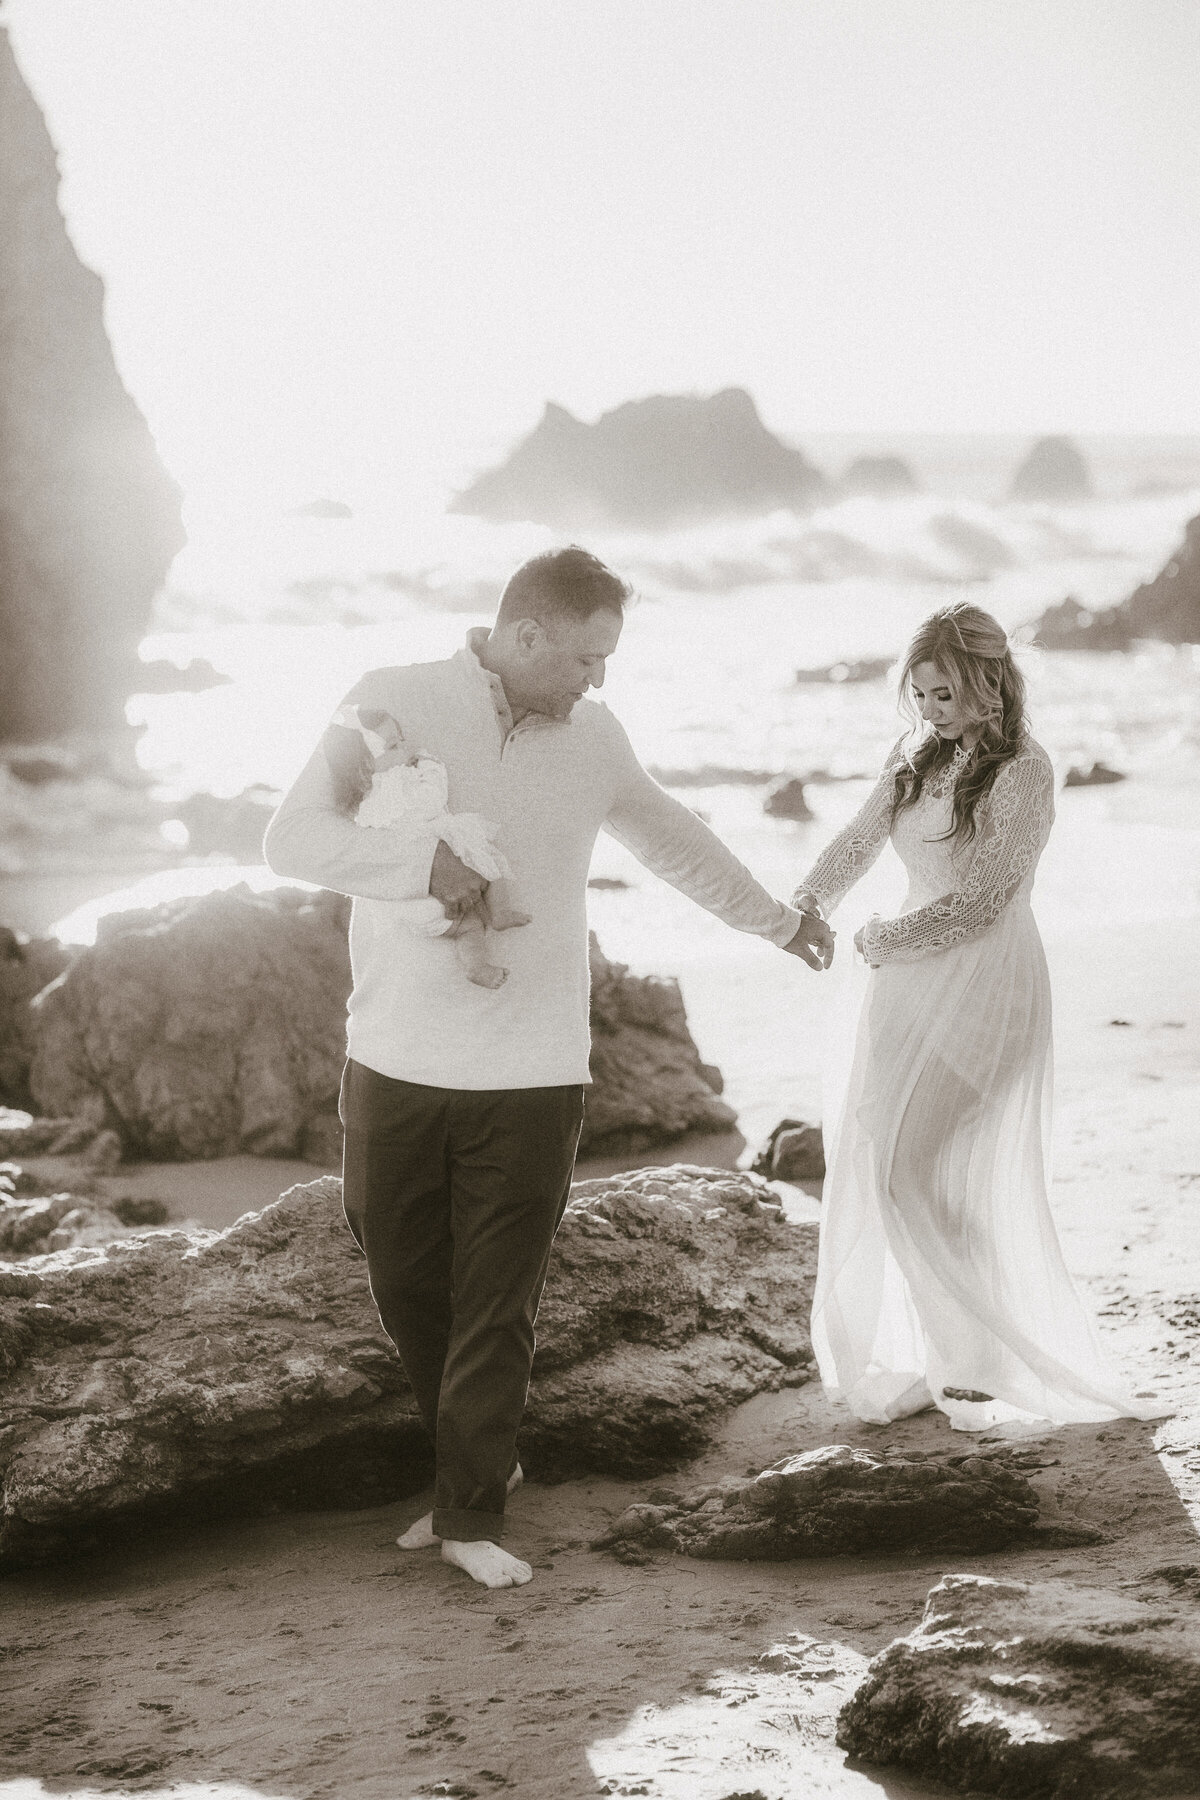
{"x": 382, "y": 782}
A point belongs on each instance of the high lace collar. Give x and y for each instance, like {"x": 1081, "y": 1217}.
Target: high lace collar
{"x": 943, "y": 781}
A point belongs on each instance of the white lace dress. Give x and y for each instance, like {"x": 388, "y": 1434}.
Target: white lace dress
{"x": 939, "y": 1263}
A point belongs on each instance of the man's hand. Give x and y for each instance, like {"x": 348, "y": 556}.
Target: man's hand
{"x": 813, "y": 943}
{"x": 450, "y": 881}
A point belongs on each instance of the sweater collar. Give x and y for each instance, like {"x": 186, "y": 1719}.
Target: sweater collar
{"x": 469, "y": 658}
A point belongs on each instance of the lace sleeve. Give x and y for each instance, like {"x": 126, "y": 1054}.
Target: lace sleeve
{"x": 856, "y": 846}
{"x": 1012, "y": 834}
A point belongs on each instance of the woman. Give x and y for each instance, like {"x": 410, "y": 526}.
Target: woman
{"x": 941, "y": 1280}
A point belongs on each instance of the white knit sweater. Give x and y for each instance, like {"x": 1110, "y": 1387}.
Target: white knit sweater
{"x": 551, "y": 785}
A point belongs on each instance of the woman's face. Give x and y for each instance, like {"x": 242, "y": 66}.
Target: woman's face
{"x": 936, "y": 700}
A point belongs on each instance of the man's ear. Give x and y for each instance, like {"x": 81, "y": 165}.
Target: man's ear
{"x": 528, "y": 633}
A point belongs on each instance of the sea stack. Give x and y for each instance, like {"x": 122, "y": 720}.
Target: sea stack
{"x": 89, "y": 519}
{"x": 672, "y": 459}
{"x": 879, "y": 477}
{"x": 1055, "y": 469}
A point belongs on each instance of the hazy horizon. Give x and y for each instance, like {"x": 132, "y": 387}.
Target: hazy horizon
{"x": 368, "y": 240}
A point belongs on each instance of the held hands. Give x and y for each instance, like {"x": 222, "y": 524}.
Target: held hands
{"x": 813, "y": 942}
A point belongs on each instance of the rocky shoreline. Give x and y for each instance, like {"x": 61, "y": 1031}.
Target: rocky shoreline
{"x": 735, "y": 1584}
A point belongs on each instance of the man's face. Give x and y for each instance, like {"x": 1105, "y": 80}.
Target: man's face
{"x": 563, "y": 658}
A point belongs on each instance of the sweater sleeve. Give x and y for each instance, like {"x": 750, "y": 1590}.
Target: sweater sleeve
{"x": 856, "y": 847}
{"x": 313, "y": 838}
{"x": 1012, "y": 832}
{"x": 674, "y": 844}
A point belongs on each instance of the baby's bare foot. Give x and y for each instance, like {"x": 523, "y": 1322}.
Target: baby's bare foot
{"x": 422, "y": 1535}
{"x": 973, "y": 1394}
{"x": 487, "y": 1563}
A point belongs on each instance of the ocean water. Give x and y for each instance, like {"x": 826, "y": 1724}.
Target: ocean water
{"x": 293, "y": 609}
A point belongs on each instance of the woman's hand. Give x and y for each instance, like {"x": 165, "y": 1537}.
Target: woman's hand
{"x": 860, "y": 942}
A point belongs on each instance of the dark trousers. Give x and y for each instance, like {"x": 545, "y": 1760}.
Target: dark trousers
{"x": 455, "y": 1196}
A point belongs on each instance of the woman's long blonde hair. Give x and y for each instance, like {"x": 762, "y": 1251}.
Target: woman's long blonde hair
{"x": 972, "y": 651}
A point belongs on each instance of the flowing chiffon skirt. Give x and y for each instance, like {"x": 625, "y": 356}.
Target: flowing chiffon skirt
{"x": 940, "y": 1265}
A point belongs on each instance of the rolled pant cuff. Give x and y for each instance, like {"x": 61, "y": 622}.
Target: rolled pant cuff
{"x": 467, "y": 1527}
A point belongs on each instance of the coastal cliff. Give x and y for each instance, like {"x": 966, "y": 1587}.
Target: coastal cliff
{"x": 89, "y": 518}
{"x": 1166, "y": 607}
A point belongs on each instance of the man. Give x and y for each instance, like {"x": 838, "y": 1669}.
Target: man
{"x": 463, "y": 1104}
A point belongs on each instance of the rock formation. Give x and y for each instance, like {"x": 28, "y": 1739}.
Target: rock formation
{"x": 1097, "y": 774}
{"x": 1168, "y": 607}
{"x": 786, "y": 799}
{"x": 795, "y": 1151}
{"x": 202, "y": 1027}
{"x": 1055, "y": 469}
{"x": 881, "y": 477}
{"x": 838, "y": 1501}
{"x": 650, "y": 1084}
{"x": 247, "y": 1369}
{"x": 668, "y": 460}
{"x": 89, "y": 520}
{"x": 1070, "y": 625}
{"x": 322, "y": 508}
{"x": 1012, "y": 1687}
{"x": 208, "y": 1027}
{"x": 36, "y": 1227}
{"x": 26, "y": 967}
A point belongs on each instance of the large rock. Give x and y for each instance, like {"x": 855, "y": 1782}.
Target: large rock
{"x": 202, "y": 1027}
{"x": 650, "y": 1085}
{"x": 666, "y": 460}
{"x": 89, "y": 520}
{"x": 1054, "y": 469}
{"x": 1012, "y": 1687}
{"x": 838, "y": 1501}
{"x": 1168, "y": 608}
{"x": 214, "y": 1026}
{"x": 27, "y": 965}
{"x": 174, "y": 1372}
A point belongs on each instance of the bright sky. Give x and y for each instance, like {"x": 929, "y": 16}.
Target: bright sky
{"x": 340, "y": 236}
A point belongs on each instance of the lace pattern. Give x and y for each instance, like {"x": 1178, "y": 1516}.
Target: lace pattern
{"x": 855, "y": 848}
{"x": 1013, "y": 823}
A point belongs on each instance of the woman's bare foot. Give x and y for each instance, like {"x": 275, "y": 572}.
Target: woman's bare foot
{"x": 966, "y": 1394}
{"x": 487, "y": 1563}
{"x": 422, "y": 1536}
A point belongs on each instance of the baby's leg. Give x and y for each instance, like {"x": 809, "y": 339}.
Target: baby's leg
{"x": 470, "y": 944}
{"x": 499, "y": 903}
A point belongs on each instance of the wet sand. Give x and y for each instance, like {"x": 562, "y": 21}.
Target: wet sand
{"x": 306, "y": 1656}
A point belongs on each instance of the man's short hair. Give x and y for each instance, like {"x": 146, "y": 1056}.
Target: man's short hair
{"x": 562, "y": 584}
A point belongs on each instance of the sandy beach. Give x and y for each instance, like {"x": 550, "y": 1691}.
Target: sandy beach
{"x": 306, "y": 1656}
{"x": 317, "y": 324}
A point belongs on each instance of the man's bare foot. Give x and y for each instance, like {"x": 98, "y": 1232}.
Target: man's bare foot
{"x": 419, "y": 1536}
{"x": 422, "y": 1536}
{"x": 966, "y": 1394}
{"x": 487, "y": 1563}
